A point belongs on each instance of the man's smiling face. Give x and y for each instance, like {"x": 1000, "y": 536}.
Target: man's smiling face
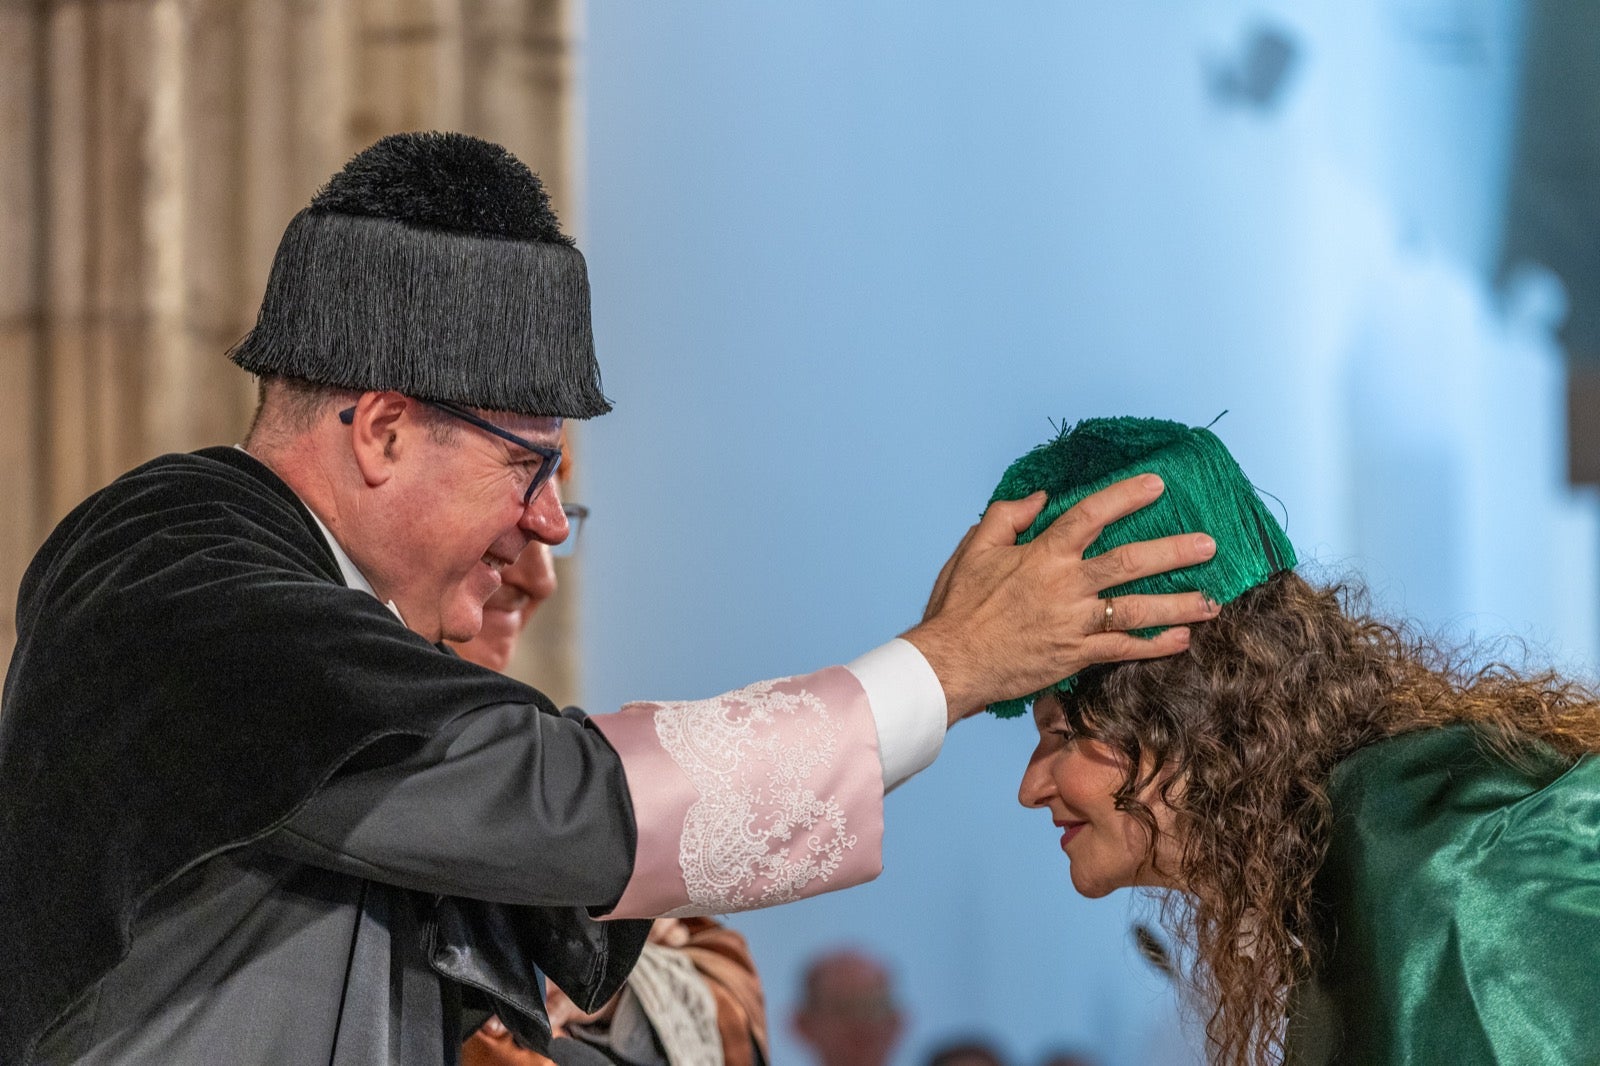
{"x": 457, "y": 520}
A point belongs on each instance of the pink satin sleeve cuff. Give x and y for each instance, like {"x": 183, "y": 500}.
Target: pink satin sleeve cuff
{"x": 750, "y": 799}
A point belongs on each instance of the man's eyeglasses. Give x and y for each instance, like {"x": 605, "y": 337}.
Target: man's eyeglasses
{"x": 549, "y": 458}
{"x": 576, "y": 514}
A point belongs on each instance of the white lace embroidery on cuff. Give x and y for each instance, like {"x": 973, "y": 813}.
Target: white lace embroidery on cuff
{"x": 759, "y": 833}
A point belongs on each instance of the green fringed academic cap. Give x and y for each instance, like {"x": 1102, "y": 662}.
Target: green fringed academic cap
{"x": 432, "y": 265}
{"x": 1206, "y": 492}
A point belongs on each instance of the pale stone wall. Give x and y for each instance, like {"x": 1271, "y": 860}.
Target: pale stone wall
{"x": 151, "y": 152}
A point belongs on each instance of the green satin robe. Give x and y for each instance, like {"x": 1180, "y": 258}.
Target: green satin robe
{"x": 1462, "y": 898}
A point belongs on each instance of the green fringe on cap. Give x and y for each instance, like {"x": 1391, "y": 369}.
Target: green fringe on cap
{"x": 1206, "y": 492}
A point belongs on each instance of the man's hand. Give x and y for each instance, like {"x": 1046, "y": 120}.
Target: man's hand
{"x": 1007, "y": 620}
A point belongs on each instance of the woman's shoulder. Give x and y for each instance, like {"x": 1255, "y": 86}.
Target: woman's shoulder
{"x": 1461, "y": 890}
{"x": 1447, "y": 773}
{"x": 1441, "y": 814}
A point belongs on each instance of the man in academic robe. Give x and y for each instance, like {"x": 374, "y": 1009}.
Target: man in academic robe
{"x": 252, "y": 811}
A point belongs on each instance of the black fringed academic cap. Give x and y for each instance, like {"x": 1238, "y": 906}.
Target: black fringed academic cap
{"x": 432, "y": 265}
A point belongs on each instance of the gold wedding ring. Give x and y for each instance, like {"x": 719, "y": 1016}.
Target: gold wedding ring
{"x": 1109, "y": 622}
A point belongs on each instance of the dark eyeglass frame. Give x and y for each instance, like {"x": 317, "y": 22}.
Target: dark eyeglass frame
{"x": 576, "y": 514}
{"x": 551, "y": 457}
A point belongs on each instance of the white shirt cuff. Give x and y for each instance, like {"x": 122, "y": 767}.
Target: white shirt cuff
{"x": 908, "y": 708}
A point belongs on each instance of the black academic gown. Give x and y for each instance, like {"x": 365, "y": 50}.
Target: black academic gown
{"x": 247, "y": 816}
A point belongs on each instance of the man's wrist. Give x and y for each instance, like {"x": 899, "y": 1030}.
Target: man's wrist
{"x": 908, "y": 708}
{"x": 944, "y": 656}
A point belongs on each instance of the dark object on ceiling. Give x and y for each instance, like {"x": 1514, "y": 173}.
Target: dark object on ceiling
{"x": 1258, "y": 75}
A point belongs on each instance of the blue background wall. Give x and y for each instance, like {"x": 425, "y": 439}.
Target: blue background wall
{"x": 849, "y": 260}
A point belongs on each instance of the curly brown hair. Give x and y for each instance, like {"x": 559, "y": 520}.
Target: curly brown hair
{"x": 1239, "y": 737}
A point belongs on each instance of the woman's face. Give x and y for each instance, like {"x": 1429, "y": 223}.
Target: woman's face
{"x": 1075, "y": 779}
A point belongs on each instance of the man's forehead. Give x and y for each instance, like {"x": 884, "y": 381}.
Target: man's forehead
{"x": 545, "y": 429}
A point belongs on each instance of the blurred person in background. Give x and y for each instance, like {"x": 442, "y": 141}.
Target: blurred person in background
{"x": 694, "y": 998}
{"x": 1070, "y": 1057}
{"x": 506, "y": 613}
{"x": 966, "y": 1052}
{"x": 526, "y": 584}
{"x": 1380, "y": 852}
{"x": 848, "y": 1014}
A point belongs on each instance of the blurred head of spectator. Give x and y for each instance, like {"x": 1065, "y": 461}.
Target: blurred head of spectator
{"x": 848, "y": 1016}
{"x": 1067, "y": 1057}
{"x": 967, "y": 1052}
{"x": 524, "y": 585}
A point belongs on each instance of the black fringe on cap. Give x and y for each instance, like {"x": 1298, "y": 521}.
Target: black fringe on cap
{"x": 374, "y": 303}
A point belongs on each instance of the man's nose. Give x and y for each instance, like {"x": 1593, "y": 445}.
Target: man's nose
{"x": 543, "y": 518}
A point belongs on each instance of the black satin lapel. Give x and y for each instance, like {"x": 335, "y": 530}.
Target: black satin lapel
{"x": 501, "y": 950}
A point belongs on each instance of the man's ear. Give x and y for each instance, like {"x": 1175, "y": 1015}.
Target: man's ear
{"x": 376, "y": 434}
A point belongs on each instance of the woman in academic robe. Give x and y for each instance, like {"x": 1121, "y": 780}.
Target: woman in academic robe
{"x": 1373, "y": 850}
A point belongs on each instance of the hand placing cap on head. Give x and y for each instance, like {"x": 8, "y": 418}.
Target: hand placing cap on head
{"x": 1206, "y": 491}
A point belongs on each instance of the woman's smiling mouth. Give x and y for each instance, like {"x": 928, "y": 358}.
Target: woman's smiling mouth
{"x": 1068, "y": 831}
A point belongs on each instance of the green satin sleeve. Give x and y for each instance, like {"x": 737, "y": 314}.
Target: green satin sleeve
{"x": 1461, "y": 898}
